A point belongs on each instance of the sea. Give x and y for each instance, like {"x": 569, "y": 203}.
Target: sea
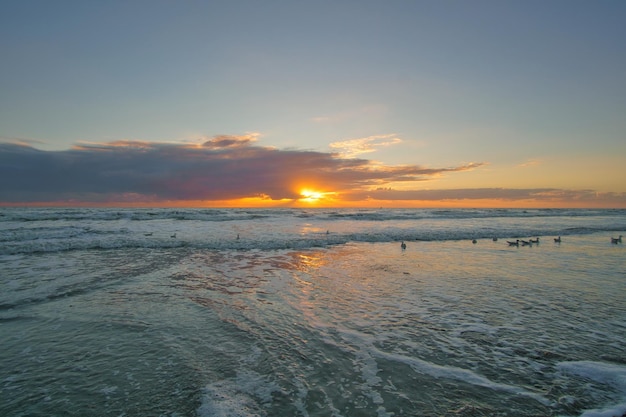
{"x": 312, "y": 312}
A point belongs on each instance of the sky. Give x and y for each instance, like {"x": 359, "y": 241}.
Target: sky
{"x": 393, "y": 103}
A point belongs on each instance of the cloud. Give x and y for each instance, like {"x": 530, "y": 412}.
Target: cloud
{"x": 229, "y": 167}
{"x": 221, "y": 168}
{"x": 21, "y": 141}
{"x": 530, "y": 163}
{"x": 230, "y": 141}
{"x": 354, "y": 147}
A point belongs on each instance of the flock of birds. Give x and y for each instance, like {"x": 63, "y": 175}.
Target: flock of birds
{"x": 529, "y": 242}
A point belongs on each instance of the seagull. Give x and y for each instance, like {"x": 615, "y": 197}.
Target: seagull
{"x": 403, "y": 245}
{"x": 516, "y": 243}
{"x": 557, "y": 239}
{"x": 616, "y": 240}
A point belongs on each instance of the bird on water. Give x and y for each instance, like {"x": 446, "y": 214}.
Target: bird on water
{"x": 403, "y": 245}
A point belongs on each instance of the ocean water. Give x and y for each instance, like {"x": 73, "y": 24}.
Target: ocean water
{"x": 291, "y": 312}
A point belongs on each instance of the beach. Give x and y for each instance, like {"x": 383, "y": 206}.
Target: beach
{"x": 312, "y": 313}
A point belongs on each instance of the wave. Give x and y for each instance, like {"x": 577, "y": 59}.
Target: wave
{"x": 127, "y": 240}
{"x": 37, "y": 230}
{"x": 221, "y": 215}
{"x": 43, "y": 214}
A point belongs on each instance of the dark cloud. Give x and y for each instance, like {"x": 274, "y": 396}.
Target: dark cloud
{"x": 229, "y": 141}
{"x": 222, "y": 168}
{"x": 225, "y": 168}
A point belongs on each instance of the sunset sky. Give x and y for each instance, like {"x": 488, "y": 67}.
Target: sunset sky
{"x": 319, "y": 103}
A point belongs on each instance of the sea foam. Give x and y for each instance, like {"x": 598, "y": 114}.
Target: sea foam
{"x": 612, "y": 375}
{"x": 242, "y": 396}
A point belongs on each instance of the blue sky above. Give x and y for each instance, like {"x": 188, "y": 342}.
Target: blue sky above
{"x": 503, "y": 84}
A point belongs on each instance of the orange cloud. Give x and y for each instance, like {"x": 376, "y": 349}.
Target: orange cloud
{"x": 354, "y": 147}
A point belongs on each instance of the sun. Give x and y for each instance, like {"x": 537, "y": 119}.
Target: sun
{"x": 311, "y": 196}
{"x": 314, "y": 197}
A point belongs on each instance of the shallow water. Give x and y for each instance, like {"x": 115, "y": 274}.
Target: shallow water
{"x": 347, "y": 327}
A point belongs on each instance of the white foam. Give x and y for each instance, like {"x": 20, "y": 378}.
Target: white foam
{"x": 605, "y": 373}
{"x": 432, "y": 369}
{"x": 242, "y": 396}
{"x": 460, "y": 374}
{"x": 618, "y": 410}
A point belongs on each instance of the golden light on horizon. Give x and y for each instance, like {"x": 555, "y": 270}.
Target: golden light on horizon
{"x": 312, "y": 197}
